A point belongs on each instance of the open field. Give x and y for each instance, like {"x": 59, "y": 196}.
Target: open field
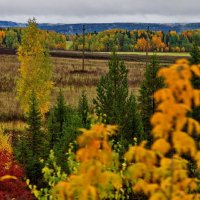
{"x": 66, "y": 75}
{"x": 181, "y": 54}
{"x": 164, "y": 57}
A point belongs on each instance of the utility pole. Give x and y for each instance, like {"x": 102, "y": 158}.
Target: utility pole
{"x": 83, "y": 53}
{"x": 147, "y": 58}
{"x": 147, "y": 46}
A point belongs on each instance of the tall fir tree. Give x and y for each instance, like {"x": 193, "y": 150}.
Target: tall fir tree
{"x": 63, "y": 125}
{"x": 34, "y": 125}
{"x": 195, "y": 59}
{"x": 150, "y": 84}
{"x": 57, "y": 119}
{"x": 195, "y": 55}
{"x": 113, "y": 103}
{"x": 83, "y": 110}
{"x": 32, "y": 147}
{"x": 133, "y": 126}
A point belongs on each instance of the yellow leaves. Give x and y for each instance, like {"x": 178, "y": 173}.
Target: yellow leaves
{"x": 94, "y": 178}
{"x": 5, "y": 143}
{"x": 141, "y": 186}
{"x": 167, "y": 178}
{"x": 161, "y": 145}
{"x": 35, "y": 69}
{"x": 180, "y": 123}
{"x": 111, "y": 178}
{"x": 197, "y": 158}
{"x": 137, "y": 170}
{"x": 158, "y": 196}
{"x": 95, "y": 143}
{"x": 188, "y": 183}
{"x": 183, "y": 143}
{"x": 196, "y": 70}
{"x": 141, "y": 154}
{"x": 7, "y": 177}
{"x": 101, "y": 132}
{"x": 196, "y": 97}
{"x": 141, "y": 44}
{"x": 193, "y": 126}
{"x": 150, "y": 172}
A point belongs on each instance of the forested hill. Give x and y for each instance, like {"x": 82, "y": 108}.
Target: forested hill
{"x": 77, "y": 28}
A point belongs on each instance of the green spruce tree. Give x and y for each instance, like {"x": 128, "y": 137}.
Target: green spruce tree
{"x": 63, "y": 125}
{"x": 195, "y": 59}
{"x": 149, "y": 86}
{"x": 34, "y": 123}
{"x": 83, "y": 110}
{"x": 133, "y": 126}
{"x": 114, "y": 104}
{"x": 57, "y": 120}
{"x": 195, "y": 55}
{"x": 32, "y": 147}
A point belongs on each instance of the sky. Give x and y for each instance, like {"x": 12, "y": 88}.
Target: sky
{"x": 101, "y": 11}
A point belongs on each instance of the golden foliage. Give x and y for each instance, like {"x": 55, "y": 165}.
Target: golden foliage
{"x": 162, "y": 171}
{"x": 5, "y": 143}
{"x": 95, "y": 177}
{"x": 141, "y": 44}
{"x": 2, "y": 36}
{"x": 35, "y": 69}
{"x": 6, "y": 177}
{"x": 157, "y": 42}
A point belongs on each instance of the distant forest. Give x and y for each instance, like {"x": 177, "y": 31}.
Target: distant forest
{"x": 123, "y": 40}
{"x": 106, "y": 41}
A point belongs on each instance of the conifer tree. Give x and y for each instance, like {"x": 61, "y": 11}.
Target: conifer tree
{"x": 133, "y": 124}
{"x": 195, "y": 55}
{"x": 150, "y": 84}
{"x": 57, "y": 119}
{"x": 83, "y": 110}
{"x": 113, "y": 103}
{"x": 35, "y": 68}
{"x": 195, "y": 59}
{"x": 36, "y": 143}
{"x": 32, "y": 147}
{"x": 63, "y": 125}
{"x": 34, "y": 125}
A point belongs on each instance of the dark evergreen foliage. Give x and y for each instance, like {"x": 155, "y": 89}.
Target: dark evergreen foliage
{"x": 195, "y": 55}
{"x": 150, "y": 84}
{"x": 195, "y": 59}
{"x": 114, "y": 105}
{"x": 57, "y": 120}
{"x": 63, "y": 125}
{"x": 83, "y": 110}
{"x": 32, "y": 147}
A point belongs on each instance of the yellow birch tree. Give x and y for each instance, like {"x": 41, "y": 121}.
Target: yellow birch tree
{"x": 35, "y": 69}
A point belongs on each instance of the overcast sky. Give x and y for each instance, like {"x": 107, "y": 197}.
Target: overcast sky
{"x": 82, "y": 11}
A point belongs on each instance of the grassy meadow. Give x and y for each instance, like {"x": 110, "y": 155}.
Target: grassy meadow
{"x": 181, "y": 54}
{"x": 67, "y": 75}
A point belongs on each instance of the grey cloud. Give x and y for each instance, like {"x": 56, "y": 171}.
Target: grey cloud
{"x": 115, "y": 10}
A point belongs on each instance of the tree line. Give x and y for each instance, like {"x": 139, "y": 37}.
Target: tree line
{"x": 125, "y": 41}
{"x": 12, "y": 37}
{"x": 109, "y": 40}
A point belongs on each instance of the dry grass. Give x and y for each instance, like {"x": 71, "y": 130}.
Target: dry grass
{"x": 11, "y": 126}
{"x": 66, "y": 75}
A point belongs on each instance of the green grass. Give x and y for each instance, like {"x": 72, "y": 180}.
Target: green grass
{"x": 68, "y": 45}
{"x": 157, "y": 53}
